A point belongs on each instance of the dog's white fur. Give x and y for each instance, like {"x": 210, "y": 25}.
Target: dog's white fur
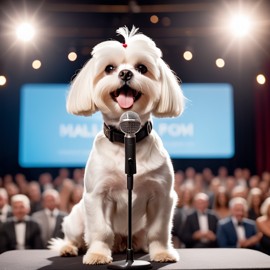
{"x": 101, "y": 216}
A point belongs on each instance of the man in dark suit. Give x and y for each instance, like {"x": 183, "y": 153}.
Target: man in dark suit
{"x": 199, "y": 230}
{"x": 237, "y": 231}
{"x": 50, "y": 218}
{"x": 20, "y": 231}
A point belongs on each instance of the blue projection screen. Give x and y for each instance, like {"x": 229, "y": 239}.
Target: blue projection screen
{"x": 50, "y": 137}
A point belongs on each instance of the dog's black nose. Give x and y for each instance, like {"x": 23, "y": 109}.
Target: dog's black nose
{"x": 125, "y": 75}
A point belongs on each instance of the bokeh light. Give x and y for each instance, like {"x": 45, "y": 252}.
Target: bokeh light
{"x": 187, "y": 55}
{"x": 261, "y": 79}
{"x": 166, "y": 21}
{"x": 72, "y": 56}
{"x": 3, "y": 80}
{"x": 36, "y": 64}
{"x": 154, "y": 19}
{"x": 220, "y": 63}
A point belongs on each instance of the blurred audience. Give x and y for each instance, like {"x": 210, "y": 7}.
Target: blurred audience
{"x": 50, "y": 218}
{"x": 230, "y": 184}
{"x": 266, "y": 177}
{"x": 12, "y": 189}
{"x": 190, "y": 175}
{"x": 76, "y": 196}
{"x": 22, "y": 183}
{"x": 221, "y": 203}
{"x": 237, "y": 231}
{"x": 222, "y": 174}
{"x": 5, "y": 208}
{"x": 254, "y": 203}
{"x": 179, "y": 178}
{"x": 254, "y": 181}
{"x": 199, "y": 229}
{"x": 20, "y": 231}
{"x": 7, "y": 179}
{"x": 263, "y": 224}
{"x": 190, "y": 228}
{"x": 62, "y": 175}
{"x": 265, "y": 188}
{"x": 77, "y": 176}
{"x": 45, "y": 181}
{"x": 207, "y": 175}
{"x": 65, "y": 194}
{"x": 239, "y": 191}
{"x": 34, "y": 194}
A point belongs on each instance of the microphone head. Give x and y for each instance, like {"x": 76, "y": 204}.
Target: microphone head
{"x": 130, "y": 122}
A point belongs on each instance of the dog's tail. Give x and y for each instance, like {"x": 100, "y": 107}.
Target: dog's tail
{"x": 63, "y": 247}
{"x": 56, "y": 244}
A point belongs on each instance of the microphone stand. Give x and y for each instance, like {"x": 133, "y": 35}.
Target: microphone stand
{"x": 130, "y": 170}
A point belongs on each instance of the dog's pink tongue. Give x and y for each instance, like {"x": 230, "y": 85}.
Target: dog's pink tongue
{"x": 125, "y": 99}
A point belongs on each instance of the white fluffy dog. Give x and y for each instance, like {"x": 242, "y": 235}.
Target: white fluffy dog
{"x": 120, "y": 77}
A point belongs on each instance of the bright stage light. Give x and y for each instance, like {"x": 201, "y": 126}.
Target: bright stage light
{"x": 36, "y": 64}
{"x": 240, "y": 25}
{"x": 72, "y": 56}
{"x": 154, "y": 19}
{"x": 25, "y": 32}
{"x": 261, "y": 79}
{"x": 220, "y": 63}
{"x": 3, "y": 80}
{"x": 187, "y": 55}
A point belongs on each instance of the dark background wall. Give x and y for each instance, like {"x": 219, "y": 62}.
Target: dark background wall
{"x": 82, "y": 24}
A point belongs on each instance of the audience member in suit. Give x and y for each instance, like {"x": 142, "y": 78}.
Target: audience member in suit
{"x": 50, "y": 218}
{"x": 20, "y": 231}
{"x": 34, "y": 194}
{"x": 263, "y": 224}
{"x": 5, "y": 209}
{"x": 199, "y": 230}
{"x": 237, "y": 231}
{"x": 177, "y": 227}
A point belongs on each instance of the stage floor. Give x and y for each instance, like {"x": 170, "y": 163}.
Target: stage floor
{"x": 189, "y": 259}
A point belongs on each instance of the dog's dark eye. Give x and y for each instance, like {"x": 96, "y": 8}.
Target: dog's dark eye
{"x": 109, "y": 69}
{"x": 142, "y": 69}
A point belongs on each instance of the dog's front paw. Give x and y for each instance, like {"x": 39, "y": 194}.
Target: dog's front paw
{"x": 94, "y": 258}
{"x": 69, "y": 250}
{"x": 166, "y": 256}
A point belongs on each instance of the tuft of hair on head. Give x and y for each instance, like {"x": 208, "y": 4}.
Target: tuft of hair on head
{"x": 123, "y": 31}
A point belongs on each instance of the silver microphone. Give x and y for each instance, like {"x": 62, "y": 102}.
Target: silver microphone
{"x": 130, "y": 123}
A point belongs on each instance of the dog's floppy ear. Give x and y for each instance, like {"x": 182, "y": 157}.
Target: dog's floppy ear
{"x": 171, "y": 101}
{"x": 80, "y": 96}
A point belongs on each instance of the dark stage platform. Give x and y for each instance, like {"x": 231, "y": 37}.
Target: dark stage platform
{"x": 189, "y": 259}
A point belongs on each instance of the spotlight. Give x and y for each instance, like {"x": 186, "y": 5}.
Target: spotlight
{"x": 220, "y": 63}
{"x": 72, "y": 56}
{"x": 154, "y": 19}
{"x": 166, "y": 21}
{"x": 261, "y": 79}
{"x": 36, "y": 64}
{"x": 25, "y": 31}
{"x": 187, "y": 55}
{"x": 3, "y": 80}
{"x": 240, "y": 25}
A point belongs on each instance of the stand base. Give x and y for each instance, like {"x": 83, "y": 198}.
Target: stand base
{"x": 136, "y": 264}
